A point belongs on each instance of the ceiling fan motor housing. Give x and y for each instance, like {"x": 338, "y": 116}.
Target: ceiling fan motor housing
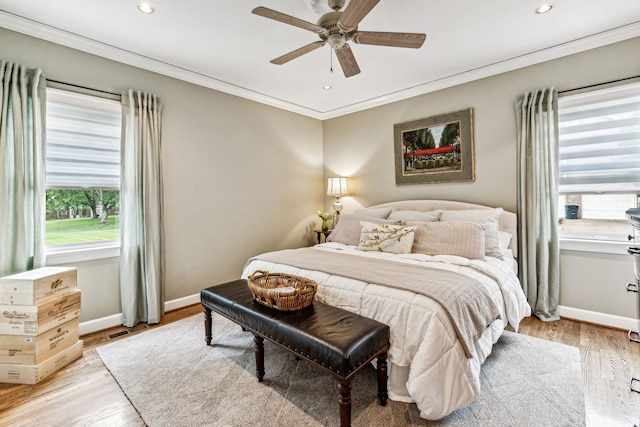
{"x": 335, "y": 36}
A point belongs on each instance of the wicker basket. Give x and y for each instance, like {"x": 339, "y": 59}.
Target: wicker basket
{"x": 284, "y": 292}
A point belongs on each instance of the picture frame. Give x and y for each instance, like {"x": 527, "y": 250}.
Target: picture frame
{"x": 436, "y": 149}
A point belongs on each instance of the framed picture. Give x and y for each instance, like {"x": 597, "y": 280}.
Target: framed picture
{"x": 435, "y": 149}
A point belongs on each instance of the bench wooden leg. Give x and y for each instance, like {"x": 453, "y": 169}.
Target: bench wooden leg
{"x": 259, "y": 357}
{"x": 207, "y": 324}
{"x": 382, "y": 379}
{"x": 345, "y": 403}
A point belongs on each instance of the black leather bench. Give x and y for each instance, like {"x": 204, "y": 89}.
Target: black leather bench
{"x": 337, "y": 341}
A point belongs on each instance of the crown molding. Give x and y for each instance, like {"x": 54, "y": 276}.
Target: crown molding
{"x": 575, "y": 46}
{"x": 75, "y": 41}
{"x": 51, "y": 34}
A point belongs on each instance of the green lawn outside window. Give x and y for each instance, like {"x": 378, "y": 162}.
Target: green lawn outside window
{"x": 81, "y": 230}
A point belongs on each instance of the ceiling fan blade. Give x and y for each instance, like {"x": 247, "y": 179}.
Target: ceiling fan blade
{"x": 355, "y": 12}
{"x": 296, "y": 53}
{"x": 411, "y": 40}
{"x": 281, "y": 17}
{"x": 347, "y": 61}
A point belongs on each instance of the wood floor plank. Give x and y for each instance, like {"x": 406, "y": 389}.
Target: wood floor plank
{"x": 85, "y": 394}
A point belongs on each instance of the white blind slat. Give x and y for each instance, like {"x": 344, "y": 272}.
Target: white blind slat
{"x": 600, "y": 141}
{"x": 83, "y": 141}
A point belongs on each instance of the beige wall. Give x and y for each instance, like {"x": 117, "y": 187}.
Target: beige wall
{"x": 360, "y": 145}
{"x": 240, "y": 177}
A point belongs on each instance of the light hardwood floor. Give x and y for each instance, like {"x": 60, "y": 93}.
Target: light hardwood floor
{"x": 85, "y": 394}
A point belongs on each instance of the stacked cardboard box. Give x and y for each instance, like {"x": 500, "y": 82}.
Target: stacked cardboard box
{"x": 39, "y": 323}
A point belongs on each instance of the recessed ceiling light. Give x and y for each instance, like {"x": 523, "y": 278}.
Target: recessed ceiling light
{"x": 326, "y": 87}
{"x": 544, "y": 8}
{"x": 146, "y": 8}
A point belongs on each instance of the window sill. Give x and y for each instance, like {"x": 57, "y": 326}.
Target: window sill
{"x": 599, "y": 246}
{"x": 66, "y": 255}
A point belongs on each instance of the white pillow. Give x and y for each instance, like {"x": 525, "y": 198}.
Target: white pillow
{"x": 416, "y": 215}
{"x": 461, "y": 238}
{"x": 347, "y": 228}
{"x": 374, "y": 212}
{"x": 505, "y": 239}
{"x": 395, "y": 239}
{"x": 488, "y": 217}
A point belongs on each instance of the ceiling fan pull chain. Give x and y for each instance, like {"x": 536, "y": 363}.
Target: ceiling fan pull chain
{"x": 331, "y": 60}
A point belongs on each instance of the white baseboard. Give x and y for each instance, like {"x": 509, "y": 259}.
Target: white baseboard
{"x": 107, "y": 322}
{"x": 182, "y": 302}
{"x": 603, "y": 319}
{"x": 100, "y": 324}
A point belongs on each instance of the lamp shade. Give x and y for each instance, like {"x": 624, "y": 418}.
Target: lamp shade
{"x": 337, "y": 187}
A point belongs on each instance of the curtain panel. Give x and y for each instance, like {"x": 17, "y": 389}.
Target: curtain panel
{"x": 22, "y": 169}
{"x": 539, "y": 253}
{"x": 141, "y": 204}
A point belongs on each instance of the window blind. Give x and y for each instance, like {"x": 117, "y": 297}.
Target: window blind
{"x": 600, "y": 141}
{"x": 83, "y": 141}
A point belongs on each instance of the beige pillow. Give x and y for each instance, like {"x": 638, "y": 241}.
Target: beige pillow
{"x": 374, "y": 212}
{"x": 416, "y": 215}
{"x": 347, "y": 229}
{"x": 488, "y": 217}
{"x": 395, "y": 239}
{"x": 461, "y": 238}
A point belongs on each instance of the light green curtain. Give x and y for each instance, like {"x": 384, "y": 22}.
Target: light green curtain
{"x": 22, "y": 169}
{"x": 539, "y": 254}
{"x": 141, "y": 210}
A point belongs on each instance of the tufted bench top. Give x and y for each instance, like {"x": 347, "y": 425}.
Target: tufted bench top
{"x": 336, "y": 339}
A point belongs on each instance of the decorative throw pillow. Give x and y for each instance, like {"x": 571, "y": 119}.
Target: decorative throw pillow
{"x": 488, "y": 217}
{"x": 374, "y": 212}
{"x": 395, "y": 239}
{"x": 347, "y": 228}
{"x": 461, "y": 238}
{"x": 504, "y": 239}
{"x": 416, "y": 215}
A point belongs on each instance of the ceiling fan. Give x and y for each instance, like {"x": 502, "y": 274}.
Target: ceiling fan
{"x": 337, "y": 28}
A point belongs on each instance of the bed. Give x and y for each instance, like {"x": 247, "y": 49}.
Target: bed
{"x": 441, "y": 274}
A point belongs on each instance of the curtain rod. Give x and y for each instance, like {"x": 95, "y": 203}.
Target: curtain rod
{"x": 84, "y": 88}
{"x": 599, "y": 84}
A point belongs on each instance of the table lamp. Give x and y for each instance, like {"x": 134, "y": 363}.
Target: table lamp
{"x": 337, "y": 187}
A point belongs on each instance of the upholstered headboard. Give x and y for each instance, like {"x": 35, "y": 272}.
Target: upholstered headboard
{"x": 508, "y": 220}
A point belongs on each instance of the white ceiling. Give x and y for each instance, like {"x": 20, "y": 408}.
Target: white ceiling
{"x": 222, "y": 45}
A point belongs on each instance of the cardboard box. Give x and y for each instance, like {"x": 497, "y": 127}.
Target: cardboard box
{"x": 32, "y": 374}
{"x": 37, "y": 319}
{"x": 36, "y": 286}
{"x": 25, "y": 349}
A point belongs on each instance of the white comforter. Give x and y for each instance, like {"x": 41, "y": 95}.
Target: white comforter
{"x": 428, "y": 365}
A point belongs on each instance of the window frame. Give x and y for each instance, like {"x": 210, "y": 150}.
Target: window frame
{"x": 615, "y": 243}
{"x": 79, "y": 252}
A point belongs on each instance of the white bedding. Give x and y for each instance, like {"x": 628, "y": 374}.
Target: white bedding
{"x": 428, "y": 365}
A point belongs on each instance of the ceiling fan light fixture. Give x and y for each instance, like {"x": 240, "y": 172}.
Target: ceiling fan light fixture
{"x": 336, "y": 40}
{"x": 544, "y": 8}
{"x": 146, "y": 8}
{"x": 326, "y": 87}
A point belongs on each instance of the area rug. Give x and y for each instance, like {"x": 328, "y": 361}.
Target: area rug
{"x": 173, "y": 378}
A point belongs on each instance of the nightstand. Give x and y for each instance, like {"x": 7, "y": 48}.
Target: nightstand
{"x": 320, "y": 233}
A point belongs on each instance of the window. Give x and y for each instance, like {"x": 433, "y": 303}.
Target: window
{"x": 83, "y": 170}
{"x": 599, "y": 169}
